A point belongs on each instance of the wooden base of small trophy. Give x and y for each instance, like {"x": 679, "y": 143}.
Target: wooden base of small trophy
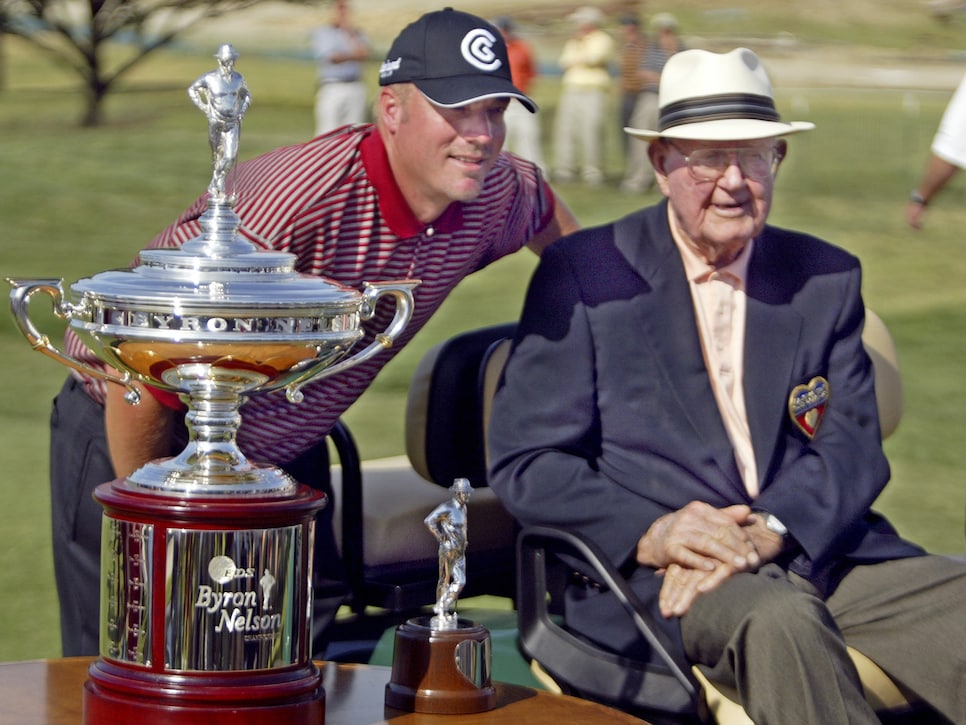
{"x": 441, "y": 671}
{"x": 205, "y": 607}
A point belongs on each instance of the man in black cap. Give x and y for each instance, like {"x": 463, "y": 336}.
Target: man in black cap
{"x": 424, "y": 193}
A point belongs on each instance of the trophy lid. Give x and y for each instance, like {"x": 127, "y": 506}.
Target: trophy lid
{"x": 217, "y": 267}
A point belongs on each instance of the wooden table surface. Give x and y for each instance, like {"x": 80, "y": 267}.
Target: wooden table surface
{"x": 49, "y": 692}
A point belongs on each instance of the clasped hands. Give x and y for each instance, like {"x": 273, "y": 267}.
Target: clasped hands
{"x": 698, "y": 547}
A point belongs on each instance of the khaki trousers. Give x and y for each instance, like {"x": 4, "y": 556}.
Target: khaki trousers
{"x": 579, "y": 130}
{"x": 786, "y": 655}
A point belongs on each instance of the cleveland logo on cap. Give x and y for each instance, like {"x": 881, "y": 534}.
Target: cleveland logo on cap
{"x": 477, "y": 50}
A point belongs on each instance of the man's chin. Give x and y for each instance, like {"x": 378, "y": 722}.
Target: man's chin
{"x": 467, "y": 190}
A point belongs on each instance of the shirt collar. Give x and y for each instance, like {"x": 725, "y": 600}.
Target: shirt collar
{"x": 399, "y": 217}
{"x": 698, "y": 270}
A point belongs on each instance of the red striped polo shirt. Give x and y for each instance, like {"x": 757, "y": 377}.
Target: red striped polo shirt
{"x": 334, "y": 204}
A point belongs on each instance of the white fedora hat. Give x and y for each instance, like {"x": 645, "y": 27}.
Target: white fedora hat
{"x": 707, "y": 96}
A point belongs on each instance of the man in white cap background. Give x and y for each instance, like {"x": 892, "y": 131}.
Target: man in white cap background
{"x": 578, "y": 140}
{"x": 340, "y": 49}
{"x": 688, "y": 389}
{"x": 425, "y": 193}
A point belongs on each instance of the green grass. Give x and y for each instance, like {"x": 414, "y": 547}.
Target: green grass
{"x": 76, "y": 201}
{"x": 891, "y": 24}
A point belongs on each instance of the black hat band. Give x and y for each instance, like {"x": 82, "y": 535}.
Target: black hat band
{"x": 743, "y": 106}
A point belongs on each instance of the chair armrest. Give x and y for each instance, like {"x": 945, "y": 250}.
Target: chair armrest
{"x": 352, "y": 509}
{"x": 591, "y": 670}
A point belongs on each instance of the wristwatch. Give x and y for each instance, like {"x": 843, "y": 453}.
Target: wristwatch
{"x": 774, "y": 524}
{"x": 916, "y": 198}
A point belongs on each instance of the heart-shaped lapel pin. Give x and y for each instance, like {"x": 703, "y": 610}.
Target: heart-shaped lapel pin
{"x": 806, "y": 404}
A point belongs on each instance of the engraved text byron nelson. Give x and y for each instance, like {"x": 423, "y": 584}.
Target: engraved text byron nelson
{"x": 132, "y": 320}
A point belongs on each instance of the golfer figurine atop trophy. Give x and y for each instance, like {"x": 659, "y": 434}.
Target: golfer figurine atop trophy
{"x": 442, "y": 664}
{"x": 206, "y": 558}
{"x": 224, "y": 98}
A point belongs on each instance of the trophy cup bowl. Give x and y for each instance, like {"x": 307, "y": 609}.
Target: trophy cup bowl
{"x": 213, "y": 331}
{"x": 206, "y": 558}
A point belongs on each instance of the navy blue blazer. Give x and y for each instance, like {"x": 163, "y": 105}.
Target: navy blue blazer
{"x": 606, "y": 419}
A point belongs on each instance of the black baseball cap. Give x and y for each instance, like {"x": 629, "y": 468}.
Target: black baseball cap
{"x": 453, "y": 58}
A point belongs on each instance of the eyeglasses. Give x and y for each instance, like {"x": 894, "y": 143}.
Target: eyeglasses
{"x": 711, "y": 164}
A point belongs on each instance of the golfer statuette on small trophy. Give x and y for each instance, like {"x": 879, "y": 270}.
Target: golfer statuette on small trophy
{"x": 441, "y": 664}
{"x": 206, "y": 562}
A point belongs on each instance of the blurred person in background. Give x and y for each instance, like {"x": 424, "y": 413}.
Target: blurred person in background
{"x": 946, "y": 157}
{"x": 632, "y": 53}
{"x": 663, "y": 43}
{"x": 522, "y": 127}
{"x": 340, "y": 50}
{"x": 584, "y": 97}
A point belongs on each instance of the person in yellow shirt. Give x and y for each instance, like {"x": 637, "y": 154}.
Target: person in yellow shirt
{"x": 586, "y": 82}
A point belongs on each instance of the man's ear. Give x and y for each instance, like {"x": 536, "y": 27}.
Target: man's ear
{"x": 389, "y": 108}
{"x": 781, "y": 148}
{"x": 657, "y": 152}
{"x": 781, "y": 151}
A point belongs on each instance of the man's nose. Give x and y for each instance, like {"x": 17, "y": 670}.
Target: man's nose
{"x": 733, "y": 173}
{"x": 480, "y": 125}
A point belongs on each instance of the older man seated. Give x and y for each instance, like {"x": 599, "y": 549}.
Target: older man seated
{"x": 688, "y": 389}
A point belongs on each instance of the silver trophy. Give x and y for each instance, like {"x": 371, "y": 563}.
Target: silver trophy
{"x": 447, "y": 522}
{"x": 206, "y": 557}
{"x": 442, "y": 664}
{"x": 215, "y": 320}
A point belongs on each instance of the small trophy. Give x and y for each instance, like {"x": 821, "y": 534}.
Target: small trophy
{"x": 441, "y": 664}
{"x": 206, "y": 558}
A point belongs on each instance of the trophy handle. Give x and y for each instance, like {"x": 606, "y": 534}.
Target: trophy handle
{"x": 23, "y": 290}
{"x": 402, "y": 292}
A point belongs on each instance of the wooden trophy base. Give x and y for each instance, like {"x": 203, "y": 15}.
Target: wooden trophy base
{"x": 205, "y": 610}
{"x": 441, "y": 671}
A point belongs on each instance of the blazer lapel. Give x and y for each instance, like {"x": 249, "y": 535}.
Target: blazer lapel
{"x": 772, "y": 338}
{"x": 666, "y": 319}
